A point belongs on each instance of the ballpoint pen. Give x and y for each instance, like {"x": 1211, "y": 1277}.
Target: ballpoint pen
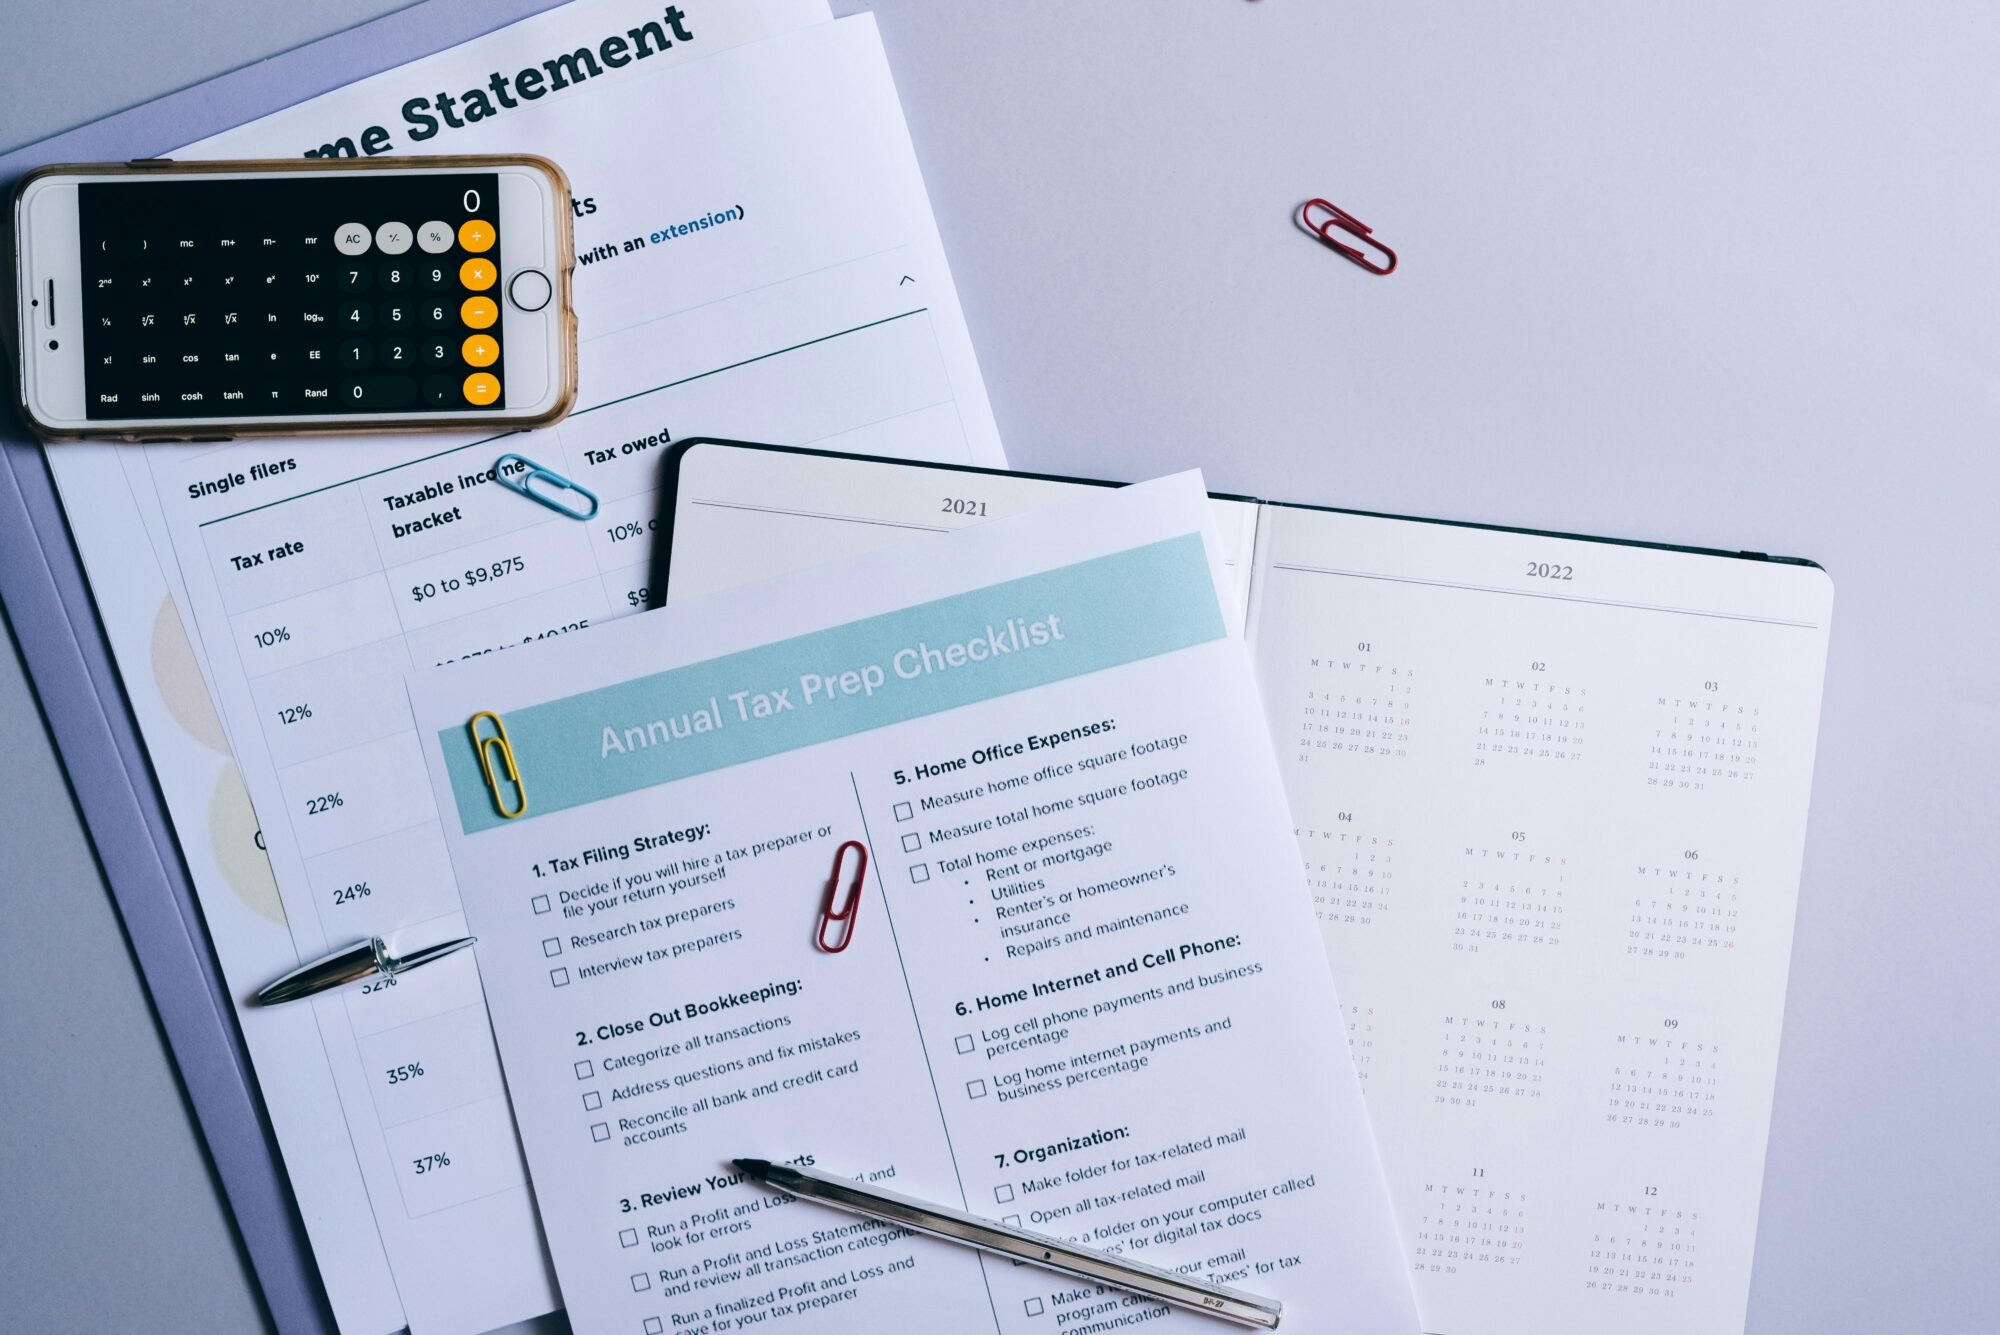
{"x": 364, "y": 959}
{"x": 1016, "y": 1244}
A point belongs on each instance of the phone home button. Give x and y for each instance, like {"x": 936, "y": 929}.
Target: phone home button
{"x": 530, "y": 290}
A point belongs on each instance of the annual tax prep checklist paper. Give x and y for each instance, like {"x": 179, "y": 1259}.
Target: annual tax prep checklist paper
{"x": 988, "y": 720}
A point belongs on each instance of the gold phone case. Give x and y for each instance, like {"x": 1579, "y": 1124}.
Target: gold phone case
{"x": 225, "y": 429}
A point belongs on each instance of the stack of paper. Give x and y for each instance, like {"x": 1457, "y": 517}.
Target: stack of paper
{"x": 1086, "y": 991}
{"x": 823, "y": 312}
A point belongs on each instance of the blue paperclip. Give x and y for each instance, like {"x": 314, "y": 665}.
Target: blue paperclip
{"x": 534, "y": 471}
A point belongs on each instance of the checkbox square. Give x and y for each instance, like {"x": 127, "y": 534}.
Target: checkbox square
{"x": 912, "y": 842}
{"x": 1004, "y": 1192}
{"x": 592, "y": 1101}
{"x": 903, "y": 811}
{"x": 540, "y": 903}
{"x": 551, "y": 947}
{"x": 1033, "y": 1307}
{"x": 975, "y": 1089}
{"x": 628, "y": 1237}
{"x": 963, "y": 1043}
{"x": 584, "y": 1070}
{"x": 653, "y": 1326}
{"x": 920, "y": 873}
{"x": 1012, "y": 1219}
{"x": 600, "y": 1132}
{"x": 559, "y": 977}
{"x": 641, "y": 1282}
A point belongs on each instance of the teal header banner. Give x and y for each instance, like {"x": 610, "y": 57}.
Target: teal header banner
{"x": 847, "y": 679}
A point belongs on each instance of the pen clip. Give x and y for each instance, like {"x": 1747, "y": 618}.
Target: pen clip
{"x": 1341, "y": 219}
{"x": 364, "y": 959}
{"x": 497, "y": 740}
{"x": 835, "y": 912}
{"x": 532, "y": 472}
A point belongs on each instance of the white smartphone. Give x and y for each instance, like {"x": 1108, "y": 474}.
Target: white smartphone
{"x": 174, "y": 301}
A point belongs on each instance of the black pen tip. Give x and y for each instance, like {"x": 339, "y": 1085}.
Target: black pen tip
{"x": 755, "y": 1168}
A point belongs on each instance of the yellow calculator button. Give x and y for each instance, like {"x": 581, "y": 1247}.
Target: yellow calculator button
{"x": 477, "y": 274}
{"x": 476, "y": 235}
{"x": 481, "y": 389}
{"x": 478, "y": 312}
{"x": 480, "y": 350}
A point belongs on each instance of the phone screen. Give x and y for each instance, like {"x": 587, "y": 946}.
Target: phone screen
{"x": 326, "y": 294}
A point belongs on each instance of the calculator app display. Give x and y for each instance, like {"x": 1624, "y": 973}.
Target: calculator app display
{"x": 261, "y": 297}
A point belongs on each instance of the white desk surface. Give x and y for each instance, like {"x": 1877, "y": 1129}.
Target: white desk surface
{"x": 1706, "y": 273}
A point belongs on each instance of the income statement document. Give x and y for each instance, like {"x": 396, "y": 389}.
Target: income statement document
{"x": 755, "y": 267}
{"x": 1082, "y": 988}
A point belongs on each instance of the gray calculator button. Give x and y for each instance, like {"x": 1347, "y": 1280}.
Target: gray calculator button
{"x": 436, "y": 237}
{"x": 352, "y": 238}
{"x": 392, "y": 238}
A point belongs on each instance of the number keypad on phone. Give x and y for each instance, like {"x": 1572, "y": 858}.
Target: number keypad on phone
{"x": 197, "y": 309}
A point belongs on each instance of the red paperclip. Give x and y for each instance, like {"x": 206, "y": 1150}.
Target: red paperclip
{"x": 1353, "y": 226}
{"x": 828, "y": 914}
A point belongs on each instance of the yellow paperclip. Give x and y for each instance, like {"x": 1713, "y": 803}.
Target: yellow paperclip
{"x": 513, "y": 774}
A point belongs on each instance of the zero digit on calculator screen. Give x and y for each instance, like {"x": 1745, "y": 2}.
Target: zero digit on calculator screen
{"x": 266, "y": 297}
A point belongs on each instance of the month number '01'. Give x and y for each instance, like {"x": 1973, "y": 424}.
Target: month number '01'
{"x": 1545, "y": 570}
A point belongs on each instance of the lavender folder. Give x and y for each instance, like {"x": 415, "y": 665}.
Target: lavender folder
{"x": 49, "y": 603}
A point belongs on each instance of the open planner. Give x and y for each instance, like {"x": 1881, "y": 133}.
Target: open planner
{"x": 1550, "y": 793}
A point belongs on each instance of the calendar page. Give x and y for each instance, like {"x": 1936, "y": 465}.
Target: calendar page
{"x": 1551, "y": 796}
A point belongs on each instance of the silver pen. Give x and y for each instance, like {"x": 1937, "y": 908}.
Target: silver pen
{"x": 364, "y": 959}
{"x": 1016, "y": 1244}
